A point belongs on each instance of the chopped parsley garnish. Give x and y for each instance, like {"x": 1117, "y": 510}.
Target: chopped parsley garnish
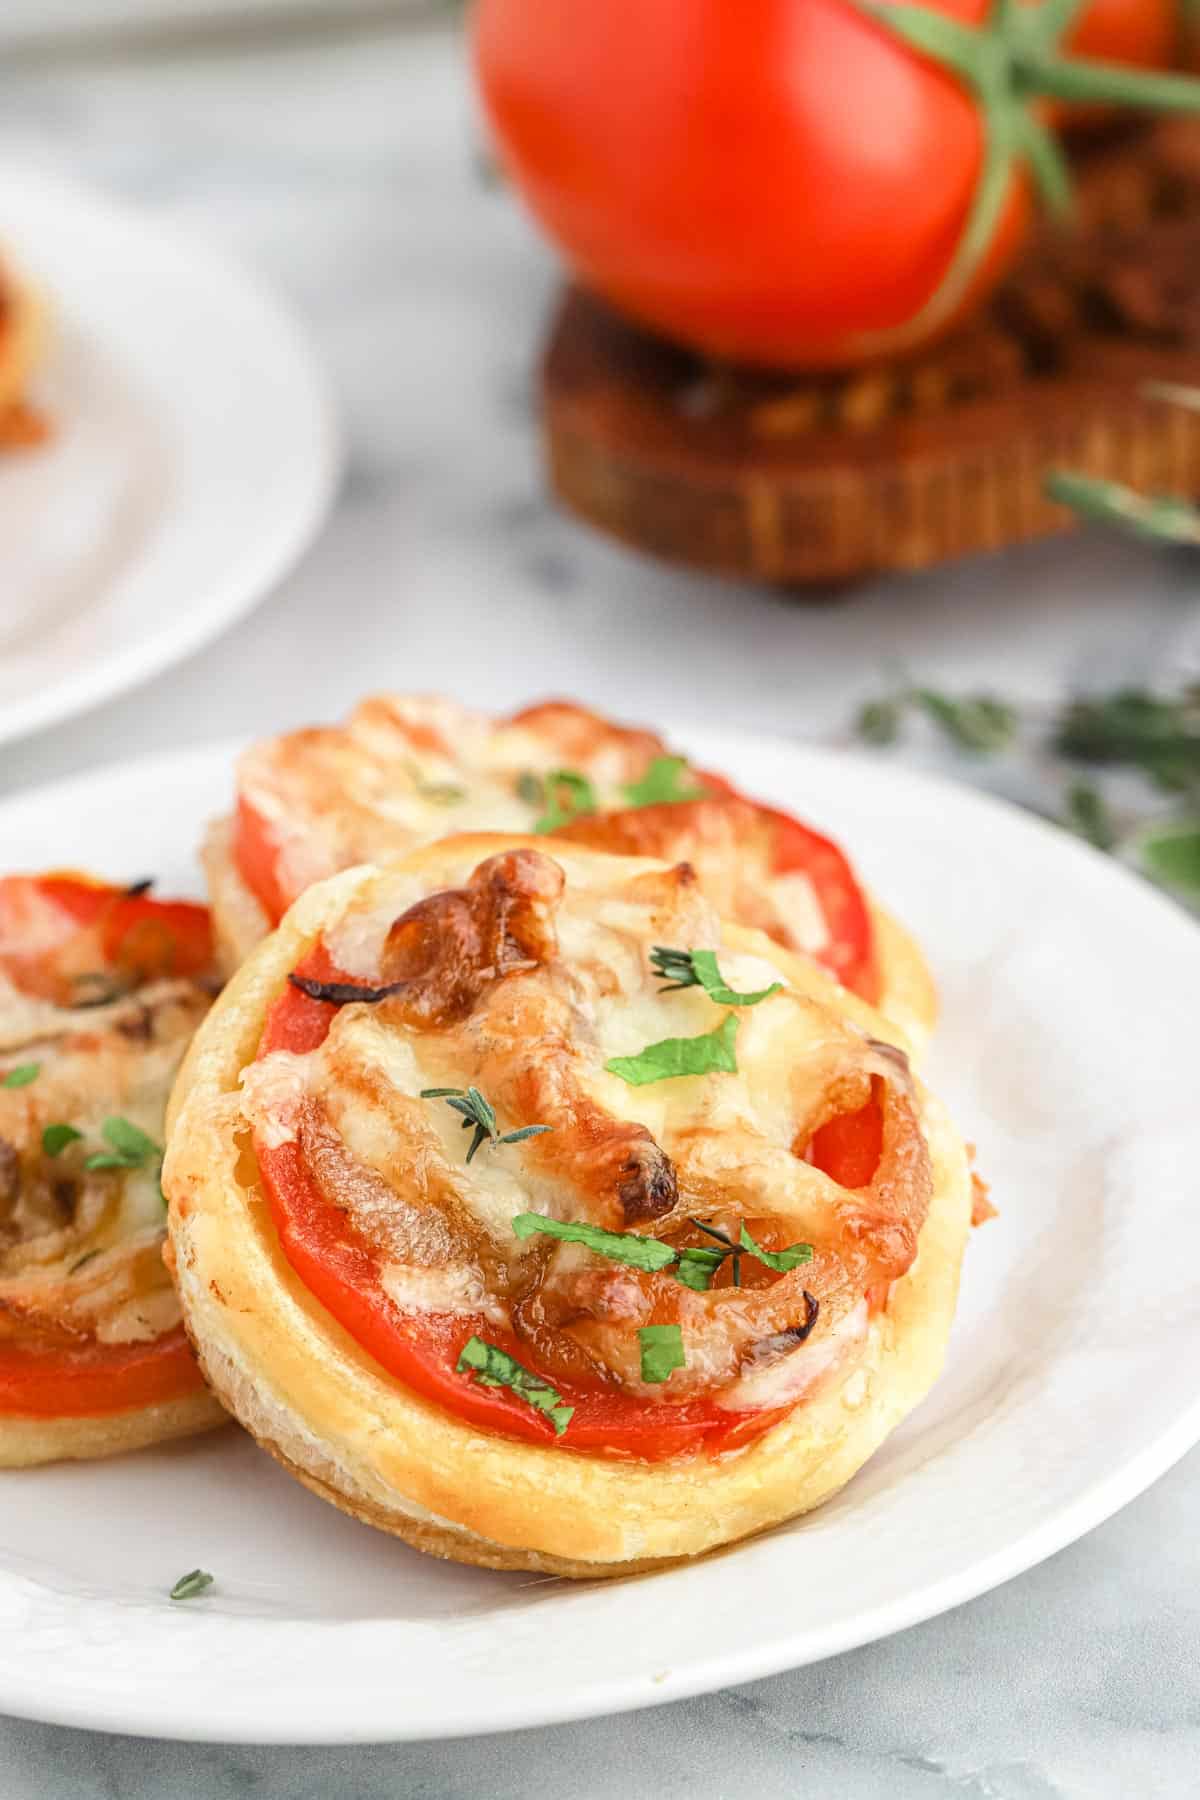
{"x": 619, "y": 1246}
{"x": 191, "y": 1584}
{"x": 55, "y": 1138}
{"x": 131, "y": 1148}
{"x": 694, "y": 1267}
{"x": 22, "y": 1075}
{"x": 698, "y": 968}
{"x": 714, "y": 1052}
{"x": 493, "y": 1367}
{"x": 564, "y": 794}
{"x": 479, "y": 1115}
{"x": 662, "y": 1351}
{"x": 664, "y": 784}
{"x": 782, "y": 1261}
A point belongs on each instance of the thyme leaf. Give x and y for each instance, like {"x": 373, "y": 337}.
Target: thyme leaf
{"x": 479, "y": 1116}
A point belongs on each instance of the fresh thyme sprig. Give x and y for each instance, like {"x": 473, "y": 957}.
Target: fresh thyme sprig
{"x": 1155, "y": 735}
{"x": 1162, "y": 518}
{"x": 698, "y": 968}
{"x": 479, "y": 1115}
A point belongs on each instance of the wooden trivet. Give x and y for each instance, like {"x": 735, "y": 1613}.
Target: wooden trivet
{"x": 828, "y": 479}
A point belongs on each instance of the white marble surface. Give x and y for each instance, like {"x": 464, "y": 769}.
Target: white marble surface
{"x": 342, "y": 166}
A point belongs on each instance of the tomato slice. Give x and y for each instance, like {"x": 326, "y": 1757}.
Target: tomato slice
{"x": 422, "y": 1349}
{"x": 848, "y": 1147}
{"x": 45, "y": 918}
{"x": 256, "y": 853}
{"x": 135, "y": 933}
{"x": 73, "y": 1382}
{"x": 849, "y": 954}
{"x": 798, "y": 850}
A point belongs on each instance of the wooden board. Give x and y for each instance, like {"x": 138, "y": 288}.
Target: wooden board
{"x": 829, "y": 479}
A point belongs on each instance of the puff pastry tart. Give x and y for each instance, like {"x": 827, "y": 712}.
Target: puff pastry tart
{"x": 526, "y": 1210}
{"x": 100, "y": 990}
{"x": 403, "y": 771}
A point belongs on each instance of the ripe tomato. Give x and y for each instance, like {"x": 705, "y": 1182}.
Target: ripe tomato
{"x": 798, "y": 183}
{"x": 1143, "y": 33}
{"x": 775, "y": 181}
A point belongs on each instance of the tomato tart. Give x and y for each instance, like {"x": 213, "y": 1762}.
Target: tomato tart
{"x": 22, "y": 340}
{"x": 404, "y": 771}
{"x": 522, "y": 1207}
{"x": 101, "y": 988}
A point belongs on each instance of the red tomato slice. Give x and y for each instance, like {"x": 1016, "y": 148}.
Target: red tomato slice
{"x": 848, "y": 1148}
{"x": 135, "y": 933}
{"x": 69, "y": 1382}
{"x": 850, "y": 952}
{"x": 421, "y": 1350}
{"x": 256, "y": 854}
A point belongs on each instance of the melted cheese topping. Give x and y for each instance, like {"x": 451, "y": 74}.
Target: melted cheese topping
{"x": 406, "y": 770}
{"x": 80, "y": 1250}
{"x": 726, "y": 1147}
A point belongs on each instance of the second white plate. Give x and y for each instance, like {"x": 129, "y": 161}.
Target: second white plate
{"x": 1067, "y": 1052}
{"x": 194, "y": 453}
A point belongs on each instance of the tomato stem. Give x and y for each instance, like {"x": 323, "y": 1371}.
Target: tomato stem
{"x": 1079, "y": 78}
{"x": 1008, "y": 62}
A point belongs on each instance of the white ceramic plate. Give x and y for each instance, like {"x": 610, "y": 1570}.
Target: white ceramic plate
{"x": 194, "y": 453}
{"x": 1067, "y": 1051}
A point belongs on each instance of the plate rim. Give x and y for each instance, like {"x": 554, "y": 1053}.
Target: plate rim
{"x": 496, "y": 1713}
{"x": 250, "y": 576}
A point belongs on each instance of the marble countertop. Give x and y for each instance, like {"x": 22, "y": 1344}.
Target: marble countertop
{"x": 341, "y": 164}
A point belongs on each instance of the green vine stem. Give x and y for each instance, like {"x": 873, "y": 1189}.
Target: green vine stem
{"x": 1009, "y": 62}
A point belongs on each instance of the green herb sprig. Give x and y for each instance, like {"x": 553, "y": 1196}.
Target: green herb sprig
{"x": 698, "y": 968}
{"x": 1155, "y": 735}
{"x": 714, "y": 1052}
{"x": 664, "y": 783}
{"x": 662, "y": 1352}
{"x": 693, "y": 1266}
{"x": 493, "y": 1367}
{"x": 979, "y": 723}
{"x": 130, "y": 1147}
{"x": 22, "y": 1075}
{"x": 56, "y": 1137}
{"x": 191, "y": 1584}
{"x": 563, "y": 794}
{"x": 479, "y": 1115}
